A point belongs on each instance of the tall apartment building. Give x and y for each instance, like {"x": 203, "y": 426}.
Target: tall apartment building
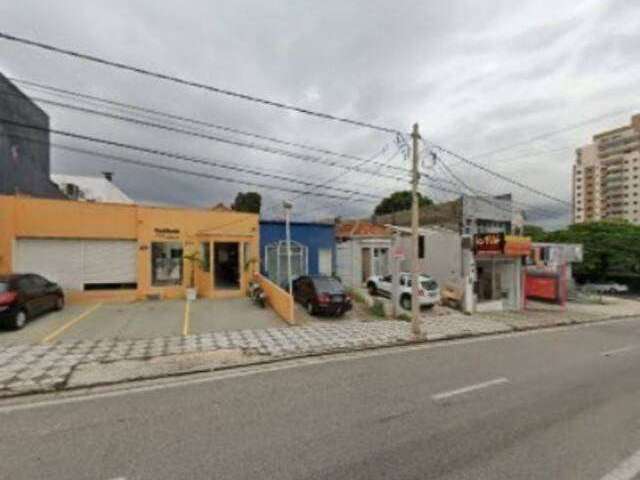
{"x": 606, "y": 176}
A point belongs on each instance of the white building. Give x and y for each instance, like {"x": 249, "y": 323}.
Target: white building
{"x": 91, "y": 189}
{"x": 362, "y": 250}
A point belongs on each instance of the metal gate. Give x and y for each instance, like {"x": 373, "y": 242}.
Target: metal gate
{"x": 276, "y": 261}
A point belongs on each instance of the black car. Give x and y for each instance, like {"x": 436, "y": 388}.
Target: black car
{"x": 321, "y": 294}
{"x": 24, "y": 296}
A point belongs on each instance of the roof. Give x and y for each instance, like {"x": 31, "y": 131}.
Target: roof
{"x": 221, "y": 207}
{"x": 310, "y": 224}
{"x": 93, "y": 189}
{"x": 361, "y": 228}
{"x": 422, "y": 230}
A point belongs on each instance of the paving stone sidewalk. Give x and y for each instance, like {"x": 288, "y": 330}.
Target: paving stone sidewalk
{"x": 39, "y": 368}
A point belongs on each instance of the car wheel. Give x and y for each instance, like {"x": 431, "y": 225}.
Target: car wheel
{"x": 372, "y": 289}
{"x": 310, "y": 308}
{"x": 405, "y": 302}
{"x": 59, "y": 303}
{"x": 20, "y": 320}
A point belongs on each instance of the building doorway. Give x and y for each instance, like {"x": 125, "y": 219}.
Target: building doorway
{"x": 226, "y": 265}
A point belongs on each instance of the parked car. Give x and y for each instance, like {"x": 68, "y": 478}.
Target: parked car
{"x": 24, "y": 296}
{"x": 321, "y": 294}
{"x": 606, "y": 288}
{"x": 428, "y": 293}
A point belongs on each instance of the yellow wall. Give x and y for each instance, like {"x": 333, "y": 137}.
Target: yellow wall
{"x": 278, "y": 299}
{"x": 43, "y": 218}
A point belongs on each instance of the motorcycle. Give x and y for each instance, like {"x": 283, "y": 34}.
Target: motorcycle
{"x": 257, "y": 295}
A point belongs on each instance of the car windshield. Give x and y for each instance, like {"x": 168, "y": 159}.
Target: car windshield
{"x": 4, "y": 287}
{"x": 328, "y": 285}
{"x": 425, "y": 283}
{"x": 429, "y": 284}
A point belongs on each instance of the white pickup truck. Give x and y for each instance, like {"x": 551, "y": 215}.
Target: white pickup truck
{"x": 428, "y": 293}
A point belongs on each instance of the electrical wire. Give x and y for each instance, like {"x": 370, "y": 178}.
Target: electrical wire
{"x": 253, "y": 146}
{"x": 172, "y": 155}
{"x": 194, "y": 84}
{"x": 136, "y": 108}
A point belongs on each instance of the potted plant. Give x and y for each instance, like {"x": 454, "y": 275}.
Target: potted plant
{"x": 194, "y": 259}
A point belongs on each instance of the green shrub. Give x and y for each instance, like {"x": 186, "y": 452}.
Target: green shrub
{"x": 377, "y": 309}
{"x": 356, "y": 295}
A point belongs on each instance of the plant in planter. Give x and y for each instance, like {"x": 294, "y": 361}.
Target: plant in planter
{"x": 194, "y": 260}
{"x": 249, "y": 264}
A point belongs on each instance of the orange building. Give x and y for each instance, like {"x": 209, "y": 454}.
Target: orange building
{"x": 102, "y": 250}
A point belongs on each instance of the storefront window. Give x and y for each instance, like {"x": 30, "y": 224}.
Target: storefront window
{"x": 166, "y": 263}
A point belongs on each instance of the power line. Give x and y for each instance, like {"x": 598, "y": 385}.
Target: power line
{"x": 191, "y": 83}
{"x": 501, "y": 176}
{"x": 491, "y": 197}
{"x": 174, "y": 156}
{"x": 250, "y": 145}
{"x": 181, "y": 118}
{"x": 552, "y": 133}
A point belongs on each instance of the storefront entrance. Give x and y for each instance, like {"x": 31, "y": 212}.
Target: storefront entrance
{"x": 498, "y": 280}
{"x": 226, "y": 265}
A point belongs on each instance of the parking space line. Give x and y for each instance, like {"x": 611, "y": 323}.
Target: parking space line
{"x": 627, "y": 470}
{"x": 610, "y": 353}
{"x": 186, "y": 320}
{"x": 70, "y": 324}
{"x": 470, "y": 388}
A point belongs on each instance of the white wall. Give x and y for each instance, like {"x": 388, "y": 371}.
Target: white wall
{"x": 443, "y": 255}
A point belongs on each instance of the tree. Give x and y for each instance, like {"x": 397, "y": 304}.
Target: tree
{"x": 609, "y": 247}
{"x": 400, "y": 201}
{"x": 247, "y": 202}
{"x": 536, "y": 233}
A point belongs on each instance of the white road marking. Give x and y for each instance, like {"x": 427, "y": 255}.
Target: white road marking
{"x": 143, "y": 386}
{"x": 610, "y": 353}
{"x": 470, "y": 388}
{"x": 627, "y": 470}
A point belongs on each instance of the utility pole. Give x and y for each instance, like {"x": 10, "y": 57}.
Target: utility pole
{"x": 287, "y": 211}
{"x": 415, "y": 262}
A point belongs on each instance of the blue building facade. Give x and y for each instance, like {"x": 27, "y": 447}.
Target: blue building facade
{"x": 313, "y": 247}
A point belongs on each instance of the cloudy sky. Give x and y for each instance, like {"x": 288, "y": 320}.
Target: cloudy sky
{"x": 515, "y": 86}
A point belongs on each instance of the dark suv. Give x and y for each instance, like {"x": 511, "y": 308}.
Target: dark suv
{"x": 24, "y": 296}
{"x": 321, "y": 294}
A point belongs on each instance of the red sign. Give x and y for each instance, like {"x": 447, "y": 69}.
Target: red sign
{"x": 488, "y": 243}
{"x": 545, "y": 288}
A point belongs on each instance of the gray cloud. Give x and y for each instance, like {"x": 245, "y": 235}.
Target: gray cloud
{"x": 476, "y": 75}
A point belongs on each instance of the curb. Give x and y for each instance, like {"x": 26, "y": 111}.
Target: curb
{"x": 266, "y": 361}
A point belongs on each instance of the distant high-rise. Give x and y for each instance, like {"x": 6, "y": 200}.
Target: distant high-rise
{"x": 606, "y": 176}
{"x": 24, "y": 152}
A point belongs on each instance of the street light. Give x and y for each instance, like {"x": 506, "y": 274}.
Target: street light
{"x": 287, "y": 215}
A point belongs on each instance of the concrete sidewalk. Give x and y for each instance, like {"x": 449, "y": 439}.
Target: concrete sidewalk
{"x": 40, "y": 368}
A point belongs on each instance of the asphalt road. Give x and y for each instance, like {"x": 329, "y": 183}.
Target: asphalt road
{"x": 562, "y": 404}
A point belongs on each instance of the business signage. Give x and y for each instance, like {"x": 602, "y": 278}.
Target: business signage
{"x": 515, "y": 246}
{"x": 488, "y": 243}
{"x": 542, "y": 287}
{"x": 167, "y": 233}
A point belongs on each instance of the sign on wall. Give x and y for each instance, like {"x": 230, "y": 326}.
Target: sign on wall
{"x": 515, "y": 246}
{"x": 167, "y": 233}
{"x": 488, "y": 243}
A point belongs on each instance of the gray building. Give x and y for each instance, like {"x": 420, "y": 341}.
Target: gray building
{"x": 467, "y": 215}
{"x": 24, "y": 152}
{"x": 497, "y": 279}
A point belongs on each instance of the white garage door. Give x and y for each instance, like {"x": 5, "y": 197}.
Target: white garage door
{"x": 109, "y": 261}
{"x": 75, "y": 263}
